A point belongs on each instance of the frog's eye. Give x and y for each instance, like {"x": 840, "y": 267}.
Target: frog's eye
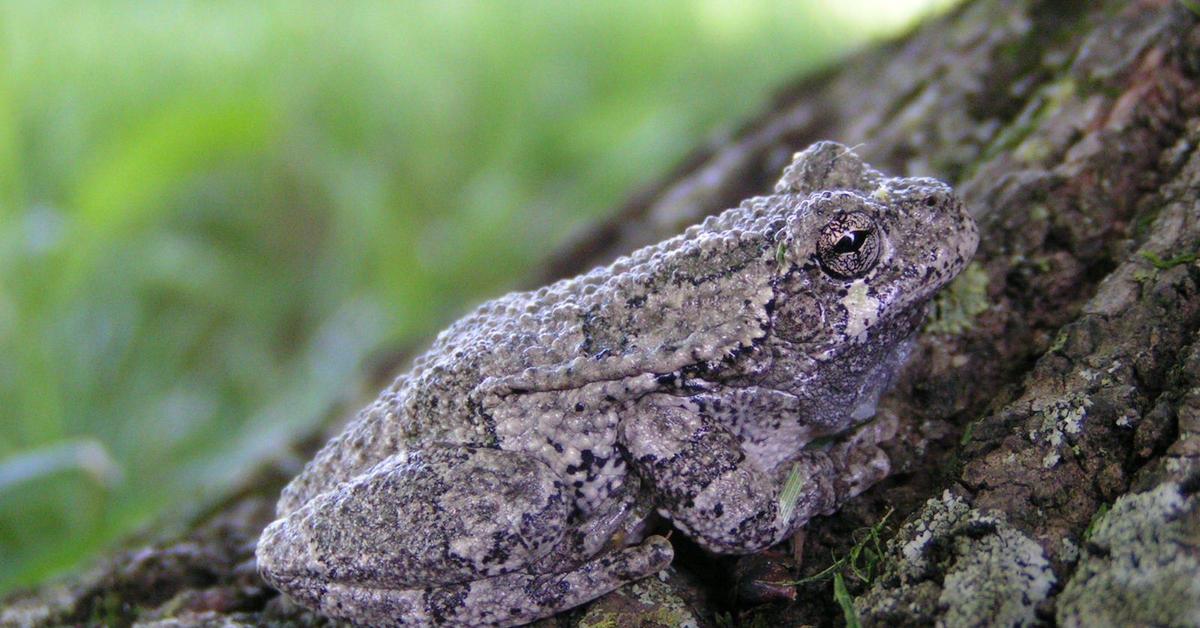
{"x": 848, "y": 246}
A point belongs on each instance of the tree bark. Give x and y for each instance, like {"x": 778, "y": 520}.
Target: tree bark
{"x": 1048, "y": 462}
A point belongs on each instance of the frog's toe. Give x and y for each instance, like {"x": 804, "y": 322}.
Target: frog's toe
{"x": 860, "y": 461}
{"x": 273, "y": 555}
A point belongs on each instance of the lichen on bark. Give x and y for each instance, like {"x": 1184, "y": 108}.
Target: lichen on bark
{"x": 1141, "y": 564}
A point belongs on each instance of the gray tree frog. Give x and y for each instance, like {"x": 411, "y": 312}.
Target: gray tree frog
{"x": 724, "y": 378}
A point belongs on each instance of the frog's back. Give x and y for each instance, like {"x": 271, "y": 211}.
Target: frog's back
{"x": 636, "y": 315}
{"x": 643, "y": 312}
{"x": 506, "y": 335}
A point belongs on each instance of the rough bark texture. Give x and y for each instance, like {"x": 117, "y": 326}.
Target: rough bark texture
{"x": 1048, "y": 464}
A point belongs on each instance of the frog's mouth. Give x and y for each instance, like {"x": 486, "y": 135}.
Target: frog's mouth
{"x": 895, "y": 328}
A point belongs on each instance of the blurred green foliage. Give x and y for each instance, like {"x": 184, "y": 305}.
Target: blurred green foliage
{"x": 211, "y": 212}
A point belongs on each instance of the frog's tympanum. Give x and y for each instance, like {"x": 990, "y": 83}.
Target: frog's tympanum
{"x": 725, "y": 378}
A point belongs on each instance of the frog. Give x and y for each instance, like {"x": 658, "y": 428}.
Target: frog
{"x": 724, "y": 380}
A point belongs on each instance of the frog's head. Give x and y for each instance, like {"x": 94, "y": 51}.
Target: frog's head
{"x": 861, "y": 264}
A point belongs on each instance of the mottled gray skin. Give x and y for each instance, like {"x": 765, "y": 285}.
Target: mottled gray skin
{"x": 505, "y": 477}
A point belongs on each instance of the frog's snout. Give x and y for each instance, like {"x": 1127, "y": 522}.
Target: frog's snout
{"x": 968, "y": 234}
{"x": 950, "y": 237}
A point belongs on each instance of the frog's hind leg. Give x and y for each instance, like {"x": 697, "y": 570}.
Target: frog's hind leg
{"x": 715, "y": 493}
{"x": 438, "y": 514}
{"x": 373, "y": 436}
{"x": 434, "y": 524}
{"x": 506, "y": 600}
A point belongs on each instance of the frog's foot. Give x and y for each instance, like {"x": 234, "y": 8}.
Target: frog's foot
{"x": 719, "y": 497}
{"x": 506, "y": 600}
{"x": 818, "y": 481}
{"x": 702, "y": 480}
{"x": 859, "y": 461}
{"x": 618, "y": 523}
{"x": 441, "y": 514}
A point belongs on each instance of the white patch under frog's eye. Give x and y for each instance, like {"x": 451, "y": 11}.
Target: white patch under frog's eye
{"x": 849, "y": 245}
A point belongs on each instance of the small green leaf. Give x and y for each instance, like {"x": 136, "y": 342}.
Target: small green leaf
{"x": 967, "y": 434}
{"x": 1099, "y": 514}
{"x": 87, "y": 455}
{"x": 863, "y": 558}
{"x": 842, "y": 596}
{"x": 790, "y": 493}
{"x": 1164, "y": 264}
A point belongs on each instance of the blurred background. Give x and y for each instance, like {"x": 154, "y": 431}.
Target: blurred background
{"x": 213, "y": 213}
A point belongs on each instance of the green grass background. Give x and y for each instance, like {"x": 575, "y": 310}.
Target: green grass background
{"x": 212, "y": 212}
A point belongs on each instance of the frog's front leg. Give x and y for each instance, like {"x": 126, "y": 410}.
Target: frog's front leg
{"x": 442, "y": 534}
{"x": 714, "y": 492}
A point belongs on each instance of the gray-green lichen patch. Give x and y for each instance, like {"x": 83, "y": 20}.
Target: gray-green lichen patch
{"x": 1142, "y": 565}
{"x": 955, "y": 308}
{"x": 1004, "y": 573}
{"x": 650, "y": 602}
{"x": 994, "y": 574}
{"x": 1062, "y": 420}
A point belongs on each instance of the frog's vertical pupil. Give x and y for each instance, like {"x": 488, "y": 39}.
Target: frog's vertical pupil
{"x": 849, "y": 245}
{"x": 851, "y": 242}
